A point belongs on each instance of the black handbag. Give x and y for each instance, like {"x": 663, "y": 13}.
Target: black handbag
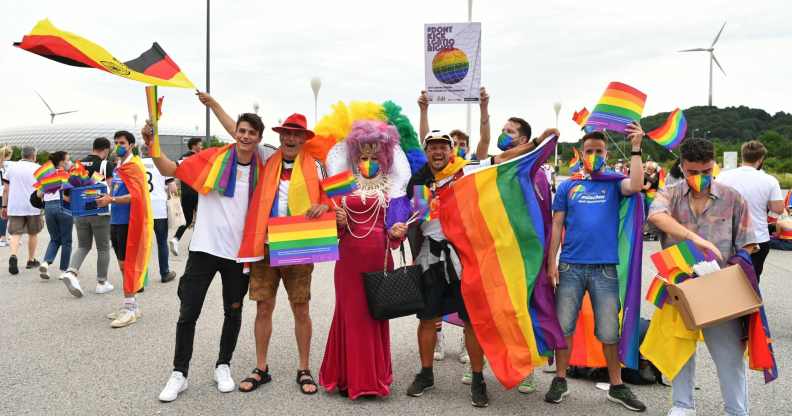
{"x": 394, "y": 294}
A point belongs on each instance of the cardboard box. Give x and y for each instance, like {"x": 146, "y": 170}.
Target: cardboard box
{"x": 714, "y": 298}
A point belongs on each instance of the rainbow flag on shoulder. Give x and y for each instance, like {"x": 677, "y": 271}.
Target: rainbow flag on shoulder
{"x": 498, "y": 221}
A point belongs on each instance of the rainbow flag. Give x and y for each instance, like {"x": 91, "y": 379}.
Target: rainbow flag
{"x": 340, "y": 185}
{"x": 586, "y": 350}
{"x": 576, "y": 163}
{"x": 154, "y": 104}
{"x": 215, "y": 170}
{"x": 78, "y": 175}
{"x": 658, "y": 289}
{"x": 580, "y": 117}
{"x": 141, "y": 224}
{"x": 672, "y": 132}
{"x": 92, "y": 193}
{"x": 44, "y": 170}
{"x": 682, "y": 256}
{"x": 651, "y": 194}
{"x": 498, "y": 221}
{"x": 619, "y": 106}
{"x": 422, "y": 202}
{"x": 52, "y": 182}
{"x": 298, "y": 240}
{"x": 661, "y": 178}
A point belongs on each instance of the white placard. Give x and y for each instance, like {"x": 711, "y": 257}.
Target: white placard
{"x": 729, "y": 160}
{"x": 452, "y": 53}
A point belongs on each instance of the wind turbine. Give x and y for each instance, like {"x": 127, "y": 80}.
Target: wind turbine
{"x": 711, "y": 51}
{"x": 52, "y": 113}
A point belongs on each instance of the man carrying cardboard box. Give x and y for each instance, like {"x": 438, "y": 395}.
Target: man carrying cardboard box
{"x": 716, "y": 218}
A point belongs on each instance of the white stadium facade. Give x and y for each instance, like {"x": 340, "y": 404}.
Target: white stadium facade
{"x": 77, "y": 138}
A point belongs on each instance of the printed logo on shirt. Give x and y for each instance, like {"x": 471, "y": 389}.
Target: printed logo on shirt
{"x": 576, "y": 191}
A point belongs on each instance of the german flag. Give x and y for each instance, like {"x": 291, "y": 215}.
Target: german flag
{"x": 153, "y": 67}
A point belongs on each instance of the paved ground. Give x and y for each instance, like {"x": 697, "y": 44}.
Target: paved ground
{"x": 58, "y": 355}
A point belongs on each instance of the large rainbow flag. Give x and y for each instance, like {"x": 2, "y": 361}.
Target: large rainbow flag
{"x": 619, "y": 106}
{"x": 153, "y": 66}
{"x": 498, "y": 221}
{"x": 141, "y": 225}
{"x": 672, "y": 132}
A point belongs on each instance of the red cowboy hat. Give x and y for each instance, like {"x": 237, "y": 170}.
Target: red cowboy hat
{"x": 295, "y": 122}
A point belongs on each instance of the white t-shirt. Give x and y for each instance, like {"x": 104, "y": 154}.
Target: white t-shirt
{"x": 156, "y": 186}
{"x": 758, "y": 189}
{"x": 20, "y": 185}
{"x": 220, "y": 220}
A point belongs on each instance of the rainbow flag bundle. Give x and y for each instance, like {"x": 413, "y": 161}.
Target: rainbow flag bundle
{"x": 78, "y": 175}
{"x": 672, "y": 132}
{"x": 422, "y": 202}
{"x": 619, "y": 106}
{"x": 52, "y": 182}
{"x": 141, "y": 224}
{"x": 299, "y": 240}
{"x": 339, "y": 185}
{"x": 498, "y": 221}
{"x": 153, "y": 66}
{"x": 154, "y": 104}
{"x": 215, "y": 170}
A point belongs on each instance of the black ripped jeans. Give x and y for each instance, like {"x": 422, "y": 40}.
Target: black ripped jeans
{"x": 201, "y": 269}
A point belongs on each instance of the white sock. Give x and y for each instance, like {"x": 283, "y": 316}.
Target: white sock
{"x": 129, "y": 303}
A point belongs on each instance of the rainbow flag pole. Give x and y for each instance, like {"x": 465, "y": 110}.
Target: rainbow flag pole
{"x": 154, "y": 105}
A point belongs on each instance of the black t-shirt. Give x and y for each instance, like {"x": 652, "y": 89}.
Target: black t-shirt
{"x": 93, "y": 164}
{"x": 652, "y": 180}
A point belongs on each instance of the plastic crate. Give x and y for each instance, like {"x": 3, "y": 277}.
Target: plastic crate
{"x": 82, "y": 201}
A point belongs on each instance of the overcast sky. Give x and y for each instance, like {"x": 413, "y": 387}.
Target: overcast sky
{"x": 533, "y": 54}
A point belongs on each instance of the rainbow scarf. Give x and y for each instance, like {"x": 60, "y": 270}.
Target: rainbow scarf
{"x": 498, "y": 221}
{"x": 451, "y": 169}
{"x": 215, "y": 170}
{"x": 141, "y": 224}
{"x": 630, "y": 240}
{"x": 619, "y": 106}
{"x": 672, "y": 132}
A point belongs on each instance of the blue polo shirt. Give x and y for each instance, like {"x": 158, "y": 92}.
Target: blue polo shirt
{"x": 119, "y": 213}
{"x": 591, "y": 222}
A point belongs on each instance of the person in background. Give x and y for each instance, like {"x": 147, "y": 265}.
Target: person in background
{"x": 5, "y": 160}
{"x": 59, "y": 223}
{"x": 159, "y": 207}
{"x": 189, "y": 199}
{"x": 761, "y": 192}
{"x": 462, "y": 144}
{"x": 23, "y": 218}
{"x": 675, "y": 176}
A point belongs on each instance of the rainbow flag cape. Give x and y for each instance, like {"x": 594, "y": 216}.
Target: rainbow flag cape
{"x": 628, "y": 270}
{"x": 298, "y": 240}
{"x": 154, "y": 66}
{"x": 498, "y": 221}
{"x": 141, "y": 224}
{"x": 672, "y": 132}
{"x": 619, "y": 106}
{"x": 340, "y": 185}
{"x": 154, "y": 104}
{"x": 214, "y": 169}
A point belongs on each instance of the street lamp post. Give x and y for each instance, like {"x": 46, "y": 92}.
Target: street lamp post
{"x": 208, "y": 90}
{"x": 316, "y": 84}
{"x": 557, "y": 109}
{"x": 470, "y": 19}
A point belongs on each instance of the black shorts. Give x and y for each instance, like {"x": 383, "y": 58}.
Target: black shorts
{"x": 118, "y": 237}
{"x": 441, "y": 297}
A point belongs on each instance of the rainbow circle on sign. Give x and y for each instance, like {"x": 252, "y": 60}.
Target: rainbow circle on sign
{"x": 450, "y": 66}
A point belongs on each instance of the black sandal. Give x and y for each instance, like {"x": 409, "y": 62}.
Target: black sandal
{"x": 303, "y": 381}
{"x": 265, "y": 378}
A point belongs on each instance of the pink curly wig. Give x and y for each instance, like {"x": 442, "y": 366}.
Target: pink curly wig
{"x": 373, "y": 132}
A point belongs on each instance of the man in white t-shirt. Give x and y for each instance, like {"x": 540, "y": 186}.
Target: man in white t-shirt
{"x": 159, "y": 207}
{"x": 23, "y": 218}
{"x": 215, "y": 245}
{"x": 761, "y": 192}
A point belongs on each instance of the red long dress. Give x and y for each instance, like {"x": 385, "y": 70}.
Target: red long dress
{"x": 357, "y": 356}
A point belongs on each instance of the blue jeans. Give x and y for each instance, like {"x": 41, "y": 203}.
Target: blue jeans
{"x": 602, "y": 283}
{"x": 3, "y": 223}
{"x": 725, "y": 345}
{"x": 59, "y": 226}
{"x": 161, "y": 231}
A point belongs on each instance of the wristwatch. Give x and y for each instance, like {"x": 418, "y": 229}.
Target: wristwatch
{"x": 636, "y": 153}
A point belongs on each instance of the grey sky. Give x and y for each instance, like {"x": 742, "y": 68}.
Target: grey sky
{"x": 533, "y": 54}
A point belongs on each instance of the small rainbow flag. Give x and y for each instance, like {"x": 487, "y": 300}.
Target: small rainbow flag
{"x": 52, "y": 182}
{"x": 680, "y": 256}
{"x": 576, "y": 160}
{"x": 619, "y": 106}
{"x": 78, "y": 175}
{"x": 658, "y": 289}
{"x": 580, "y": 117}
{"x": 422, "y": 202}
{"x": 44, "y": 170}
{"x": 672, "y": 132}
{"x": 298, "y": 240}
{"x": 91, "y": 193}
{"x": 340, "y": 185}
{"x": 154, "y": 104}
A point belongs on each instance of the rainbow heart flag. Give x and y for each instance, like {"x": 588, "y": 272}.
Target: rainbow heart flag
{"x": 339, "y": 185}
{"x": 619, "y": 106}
{"x": 497, "y": 219}
{"x": 672, "y": 132}
{"x": 154, "y": 104}
{"x": 298, "y": 240}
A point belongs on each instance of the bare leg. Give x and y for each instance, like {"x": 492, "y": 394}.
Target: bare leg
{"x": 262, "y": 332}
{"x": 32, "y": 243}
{"x": 15, "y": 243}
{"x": 302, "y": 331}
{"x": 562, "y": 359}
{"x": 474, "y": 349}
{"x": 614, "y": 366}
{"x": 427, "y": 337}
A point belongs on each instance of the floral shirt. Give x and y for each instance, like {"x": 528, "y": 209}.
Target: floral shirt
{"x": 725, "y": 222}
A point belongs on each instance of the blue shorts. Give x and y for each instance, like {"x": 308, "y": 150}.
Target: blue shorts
{"x": 602, "y": 283}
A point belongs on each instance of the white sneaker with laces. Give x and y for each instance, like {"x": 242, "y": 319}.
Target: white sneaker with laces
{"x": 104, "y": 287}
{"x": 464, "y": 358}
{"x": 44, "y": 271}
{"x": 3, "y": 243}
{"x": 222, "y": 375}
{"x": 114, "y": 315}
{"x": 439, "y": 353}
{"x": 680, "y": 411}
{"x": 72, "y": 284}
{"x": 176, "y": 384}
{"x": 124, "y": 318}
{"x": 173, "y": 245}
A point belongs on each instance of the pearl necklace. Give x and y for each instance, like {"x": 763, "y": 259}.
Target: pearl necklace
{"x": 368, "y": 188}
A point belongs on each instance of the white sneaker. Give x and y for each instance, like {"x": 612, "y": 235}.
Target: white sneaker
{"x": 173, "y": 245}
{"x": 3, "y": 243}
{"x": 680, "y": 411}
{"x": 104, "y": 287}
{"x": 439, "y": 353}
{"x": 114, "y": 315}
{"x": 176, "y": 384}
{"x": 44, "y": 271}
{"x": 124, "y": 318}
{"x": 72, "y": 284}
{"x": 464, "y": 358}
{"x": 222, "y": 375}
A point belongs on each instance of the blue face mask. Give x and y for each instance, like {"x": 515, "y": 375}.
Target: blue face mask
{"x": 505, "y": 142}
{"x": 120, "y": 151}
